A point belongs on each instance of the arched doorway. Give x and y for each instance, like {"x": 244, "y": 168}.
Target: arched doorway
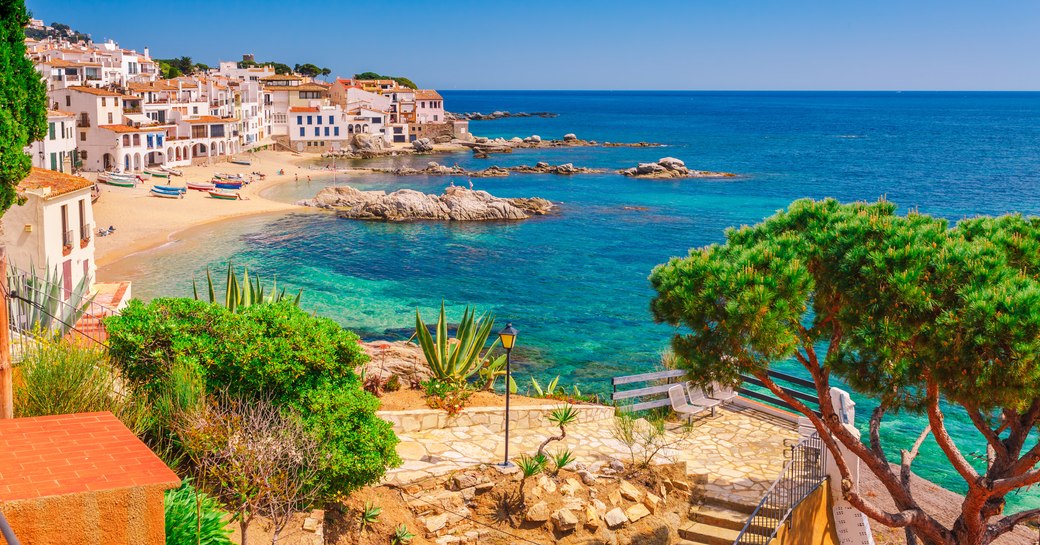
{"x": 108, "y": 162}
{"x": 126, "y": 163}
{"x": 222, "y": 149}
{"x": 137, "y": 162}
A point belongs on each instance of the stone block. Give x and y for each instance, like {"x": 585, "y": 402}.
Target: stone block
{"x": 636, "y": 512}
{"x": 564, "y": 520}
{"x": 538, "y": 512}
{"x": 629, "y": 491}
{"x": 615, "y": 518}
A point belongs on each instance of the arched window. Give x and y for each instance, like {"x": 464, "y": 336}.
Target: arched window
{"x": 126, "y": 139}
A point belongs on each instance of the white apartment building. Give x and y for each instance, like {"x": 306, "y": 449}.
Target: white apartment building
{"x": 57, "y": 150}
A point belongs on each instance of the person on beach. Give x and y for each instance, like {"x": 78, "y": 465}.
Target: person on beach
{"x": 297, "y": 177}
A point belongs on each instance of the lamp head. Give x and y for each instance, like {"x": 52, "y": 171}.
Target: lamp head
{"x": 508, "y": 336}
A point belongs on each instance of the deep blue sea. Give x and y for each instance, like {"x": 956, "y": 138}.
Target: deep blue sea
{"x": 575, "y": 283}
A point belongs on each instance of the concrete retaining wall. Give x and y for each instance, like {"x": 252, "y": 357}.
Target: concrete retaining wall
{"x": 522, "y": 417}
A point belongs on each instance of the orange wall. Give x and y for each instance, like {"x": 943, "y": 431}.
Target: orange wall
{"x": 811, "y": 523}
{"x": 130, "y": 516}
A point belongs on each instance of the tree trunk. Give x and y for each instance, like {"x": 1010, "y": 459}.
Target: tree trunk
{"x": 243, "y": 526}
{"x": 6, "y": 370}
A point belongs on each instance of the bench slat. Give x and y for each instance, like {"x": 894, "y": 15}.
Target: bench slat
{"x": 616, "y": 381}
{"x": 647, "y": 405}
{"x": 639, "y": 392}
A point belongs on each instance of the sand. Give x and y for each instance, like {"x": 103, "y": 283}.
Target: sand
{"x": 143, "y": 221}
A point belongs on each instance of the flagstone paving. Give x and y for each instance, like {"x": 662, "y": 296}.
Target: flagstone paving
{"x": 738, "y": 453}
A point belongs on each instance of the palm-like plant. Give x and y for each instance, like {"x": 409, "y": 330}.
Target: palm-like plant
{"x": 529, "y": 467}
{"x": 455, "y": 360}
{"x": 561, "y": 459}
{"x": 248, "y": 292}
{"x": 561, "y": 417}
{"x": 38, "y": 303}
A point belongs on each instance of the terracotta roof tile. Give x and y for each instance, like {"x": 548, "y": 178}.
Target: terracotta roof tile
{"x": 69, "y": 454}
{"x": 211, "y": 119}
{"x": 128, "y": 128}
{"x": 428, "y": 94}
{"x": 303, "y": 109}
{"x": 310, "y": 87}
{"x": 59, "y": 184}
{"x": 281, "y": 77}
{"x": 95, "y": 91}
{"x": 59, "y": 113}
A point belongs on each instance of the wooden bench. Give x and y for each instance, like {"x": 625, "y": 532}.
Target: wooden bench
{"x": 643, "y": 398}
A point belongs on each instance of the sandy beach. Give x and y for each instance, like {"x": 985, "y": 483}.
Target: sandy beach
{"x": 143, "y": 221}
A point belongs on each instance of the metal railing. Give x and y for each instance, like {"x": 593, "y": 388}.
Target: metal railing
{"x": 7, "y": 532}
{"x": 802, "y": 475}
{"x": 66, "y": 237}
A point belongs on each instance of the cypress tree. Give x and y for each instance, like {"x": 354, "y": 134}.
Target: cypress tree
{"x": 23, "y": 101}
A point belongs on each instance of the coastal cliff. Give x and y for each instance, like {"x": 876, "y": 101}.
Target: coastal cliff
{"x": 455, "y": 204}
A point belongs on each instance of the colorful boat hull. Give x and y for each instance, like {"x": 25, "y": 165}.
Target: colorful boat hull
{"x": 167, "y": 194}
{"x": 240, "y": 162}
{"x": 119, "y": 182}
{"x": 157, "y": 173}
{"x": 201, "y": 186}
{"x": 224, "y": 195}
{"x": 170, "y": 188}
{"x": 228, "y": 185}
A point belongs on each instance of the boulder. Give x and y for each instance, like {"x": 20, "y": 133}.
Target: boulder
{"x": 570, "y": 137}
{"x": 564, "y": 520}
{"x": 422, "y": 145}
{"x": 652, "y": 502}
{"x": 465, "y": 479}
{"x": 368, "y": 142}
{"x": 649, "y": 168}
{"x": 571, "y": 487}
{"x": 516, "y": 140}
{"x": 435, "y": 523}
{"x": 636, "y": 512}
{"x": 442, "y": 139}
{"x": 587, "y": 477}
{"x": 671, "y": 163}
{"x": 538, "y": 512}
{"x": 616, "y": 465}
{"x": 399, "y": 358}
{"x": 615, "y": 518}
{"x": 541, "y": 165}
{"x": 546, "y": 485}
{"x": 481, "y": 140}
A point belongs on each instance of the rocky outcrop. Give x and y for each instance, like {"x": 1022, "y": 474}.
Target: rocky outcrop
{"x": 368, "y": 142}
{"x": 422, "y": 145}
{"x": 565, "y": 169}
{"x": 670, "y": 167}
{"x": 455, "y": 204}
{"x": 434, "y": 168}
{"x": 477, "y": 116}
{"x": 482, "y": 147}
{"x": 402, "y": 359}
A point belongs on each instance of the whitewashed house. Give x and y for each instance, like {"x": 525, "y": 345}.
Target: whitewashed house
{"x": 57, "y": 150}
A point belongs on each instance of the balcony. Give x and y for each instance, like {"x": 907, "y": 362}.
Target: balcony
{"x": 83, "y": 121}
{"x": 66, "y": 242}
{"x": 135, "y": 110}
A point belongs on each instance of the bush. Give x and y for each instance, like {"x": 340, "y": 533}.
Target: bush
{"x": 450, "y": 397}
{"x": 195, "y": 518}
{"x": 60, "y": 377}
{"x": 274, "y": 351}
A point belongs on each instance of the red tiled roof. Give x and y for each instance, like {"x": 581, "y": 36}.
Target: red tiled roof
{"x": 59, "y": 113}
{"x": 59, "y": 184}
{"x": 128, "y": 128}
{"x": 427, "y": 94}
{"x": 211, "y": 119}
{"x": 309, "y": 87}
{"x": 74, "y": 453}
{"x": 303, "y": 109}
{"x": 95, "y": 91}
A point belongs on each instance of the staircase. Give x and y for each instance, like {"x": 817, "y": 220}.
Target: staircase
{"x": 719, "y": 520}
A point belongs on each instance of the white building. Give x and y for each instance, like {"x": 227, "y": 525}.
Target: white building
{"x": 53, "y": 228}
{"x": 57, "y": 150}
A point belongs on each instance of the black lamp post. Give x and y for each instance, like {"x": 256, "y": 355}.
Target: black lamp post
{"x": 508, "y": 337}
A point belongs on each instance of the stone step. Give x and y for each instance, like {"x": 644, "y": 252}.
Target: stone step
{"x": 707, "y": 534}
{"x": 724, "y": 518}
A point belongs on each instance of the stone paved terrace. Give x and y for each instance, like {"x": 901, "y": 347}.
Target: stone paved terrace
{"x": 737, "y": 454}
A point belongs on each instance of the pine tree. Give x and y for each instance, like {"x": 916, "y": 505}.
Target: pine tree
{"x": 23, "y": 101}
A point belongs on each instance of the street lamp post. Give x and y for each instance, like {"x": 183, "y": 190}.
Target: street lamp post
{"x": 508, "y": 337}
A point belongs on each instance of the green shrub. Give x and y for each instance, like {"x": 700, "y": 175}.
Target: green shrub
{"x": 60, "y": 377}
{"x": 192, "y": 517}
{"x": 457, "y": 359}
{"x": 272, "y": 350}
{"x": 450, "y": 397}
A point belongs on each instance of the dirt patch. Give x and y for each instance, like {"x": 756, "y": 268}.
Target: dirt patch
{"x": 407, "y": 399}
{"x": 342, "y": 523}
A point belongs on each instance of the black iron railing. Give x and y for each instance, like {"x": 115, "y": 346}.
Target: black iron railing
{"x": 802, "y": 475}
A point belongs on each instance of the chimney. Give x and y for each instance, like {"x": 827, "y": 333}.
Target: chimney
{"x": 146, "y": 54}
{"x": 248, "y": 57}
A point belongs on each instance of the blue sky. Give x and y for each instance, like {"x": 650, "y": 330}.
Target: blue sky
{"x": 605, "y": 44}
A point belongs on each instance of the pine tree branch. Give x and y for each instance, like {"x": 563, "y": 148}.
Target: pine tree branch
{"x": 942, "y": 437}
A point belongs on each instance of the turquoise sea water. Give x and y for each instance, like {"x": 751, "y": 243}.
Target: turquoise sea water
{"x": 574, "y": 283}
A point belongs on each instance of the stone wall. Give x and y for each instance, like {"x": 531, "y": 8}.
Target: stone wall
{"x": 124, "y": 516}
{"x": 431, "y": 130}
{"x": 522, "y": 417}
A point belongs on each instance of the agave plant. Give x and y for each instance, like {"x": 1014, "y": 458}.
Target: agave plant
{"x": 38, "y": 303}
{"x": 248, "y": 292}
{"x": 552, "y": 389}
{"x": 455, "y": 360}
{"x": 495, "y": 368}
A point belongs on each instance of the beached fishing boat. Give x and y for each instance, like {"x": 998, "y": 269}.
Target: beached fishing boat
{"x": 117, "y": 175}
{"x": 240, "y": 162}
{"x": 167, "y": 194}
{"x": 156, "y": 173}
{"x": 118, "y": 182}
{"x": 228, "y": 185}
{"x": 172, "y": 171}
{"x": 177, "y": 188}
{"x": 226, "y": 176}
{"x": 224, "y": 194}
{"x": 201, "y": 186}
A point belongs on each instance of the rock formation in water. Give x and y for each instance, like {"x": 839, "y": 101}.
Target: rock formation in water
{"x": 670, "y": 167}
{"x": 455, "y": 204}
